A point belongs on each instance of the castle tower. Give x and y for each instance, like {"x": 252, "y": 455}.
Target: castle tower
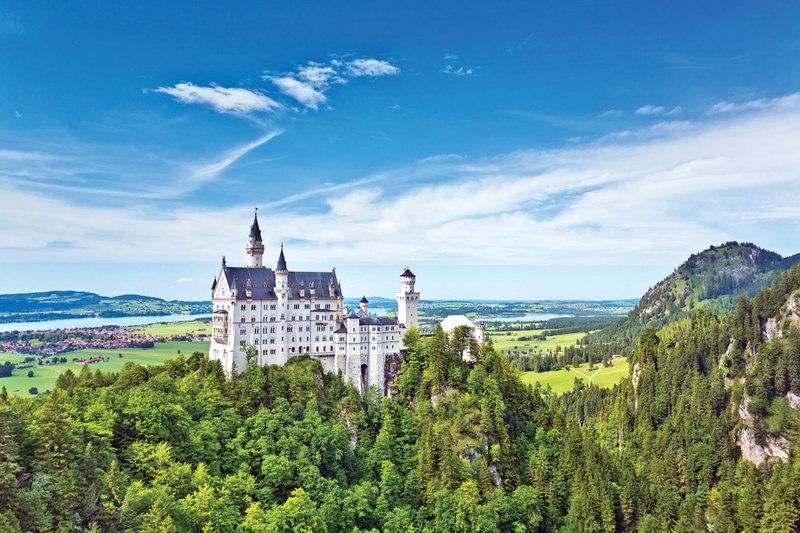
{"x": 282, "y": 292}
{"x": 363, "y": 306}
{"x": 407, "y": 300}
{"x": 255, "y": 246}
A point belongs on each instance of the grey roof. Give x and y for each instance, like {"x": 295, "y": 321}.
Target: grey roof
{"x": 352, "y": 314}
{"x": 281, "y": 261}
{"x": 255, "y": 231}
{"x": 342, "y": 329}
{"x": 261, "y": 283}
{"x": 377, "y": 321}
{"x": 214, "y": 285}
{"x": 407, "y": 274}
{"x": 364, "y": 300}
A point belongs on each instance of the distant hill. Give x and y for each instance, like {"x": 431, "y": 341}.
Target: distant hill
{"x": 711, "y": 279}
{"x": 52, "y": 305}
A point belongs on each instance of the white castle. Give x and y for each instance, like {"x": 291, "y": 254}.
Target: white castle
{"x": 285, "y": 314}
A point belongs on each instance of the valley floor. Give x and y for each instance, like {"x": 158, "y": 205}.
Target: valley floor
{"x": 561, "y": 381}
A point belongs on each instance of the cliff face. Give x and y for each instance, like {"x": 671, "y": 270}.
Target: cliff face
{"x": 757, "y": 443}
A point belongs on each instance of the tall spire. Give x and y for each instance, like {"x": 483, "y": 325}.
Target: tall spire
{"x": 255, "y": 246}
{"x": 255, "y": 231}
{"x": 282, "y": 262}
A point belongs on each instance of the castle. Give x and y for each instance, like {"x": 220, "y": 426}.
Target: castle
{"x": 283, "y": 314}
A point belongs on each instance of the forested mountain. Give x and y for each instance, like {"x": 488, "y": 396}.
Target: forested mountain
{"x": 36, "y": 306}
{"x": 702, "y": 437}
{"x": 709, "y": 280}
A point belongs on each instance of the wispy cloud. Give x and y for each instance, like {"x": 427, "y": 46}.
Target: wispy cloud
{"x": 612, "y": 113}
{"x": 204, "y": 173}
{"x": 115, "y": 173}
{"x": 648, "y": 198}
{"x": 650, "y": 110}
{"x": 222, "y": 99}
{"x": 308, "y": 84}
{"x": 184, "y": 280}
{"x": 370, "y": 67}
{"x": 303, "y": 92}
{"x": 789, "y": 101}
{"x": 457, "y": 71}
{"x": 654, "y": 110}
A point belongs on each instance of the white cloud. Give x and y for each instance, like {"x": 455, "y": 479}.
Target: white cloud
{"x": 184, "y": 280}
{"x": 319, "y": 75}
{"x": 652, "y": 198}
{"x": 222, "y": 99}
{"x": 304, "y": 93}
{"x": 457, "y": 71}
{"x": 208, "y": 172}
{"x": 611, "y": 113}
{"x": 650, "y": 110}
{"x": 370, "y": 67}
{"x": 788, "y": 101}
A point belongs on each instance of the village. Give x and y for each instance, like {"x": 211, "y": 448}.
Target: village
{"x": 49, "y": 346}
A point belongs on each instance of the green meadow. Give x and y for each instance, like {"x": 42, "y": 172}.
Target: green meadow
{"x": 44, "y": 377}
{"x": 508, "y": 340}
{"x": 561, "y": 381}
{"x": 177, "y": 328}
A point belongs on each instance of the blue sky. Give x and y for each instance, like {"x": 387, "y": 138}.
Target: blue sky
{"x": 502, "y": 150}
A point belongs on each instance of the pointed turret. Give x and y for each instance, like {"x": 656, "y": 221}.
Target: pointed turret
{"x": 281, "y": 262}
{"x": 255, "y": 231}
{"x": 364, "y": 307}
{"x": 255, "y": 246}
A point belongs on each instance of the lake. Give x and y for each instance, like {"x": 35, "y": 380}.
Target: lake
{"x": 93, "y": 322}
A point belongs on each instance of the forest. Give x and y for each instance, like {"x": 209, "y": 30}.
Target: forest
{"x": 458, "y": 447}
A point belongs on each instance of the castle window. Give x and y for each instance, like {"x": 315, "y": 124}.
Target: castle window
{"x": 242, "y": 319}
{"x": 252, "y": 319}
{"x": 256, "y": 341}
{"x": 244, "y": 307}
{"x": 253, "y": 307}
{"x": 256, "y": 330}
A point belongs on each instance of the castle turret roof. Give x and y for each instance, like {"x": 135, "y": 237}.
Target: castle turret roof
{"x": 255, "y": 231}
{"x": 364, "y": 300}
{"x": 407, "y": 274}
{"x": 214, "y": 285}
{"x": 281, "y": 262}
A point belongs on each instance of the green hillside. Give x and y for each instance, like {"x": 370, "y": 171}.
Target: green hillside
{"x": 54, "y": 305}
{"x": 711, "y": 280}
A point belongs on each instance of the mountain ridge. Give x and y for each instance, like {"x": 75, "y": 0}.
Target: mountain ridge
{"x": 711, "y": 279}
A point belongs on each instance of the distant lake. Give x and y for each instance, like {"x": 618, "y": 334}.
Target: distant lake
{"x": 93, "y": 322}
{"x": 536, "y": 317}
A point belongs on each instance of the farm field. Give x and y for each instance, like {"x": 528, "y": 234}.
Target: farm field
{"x": 177, "y": 328}
{"x": 561, "y": 381}
{"x": 45, "y": 376}
{"x": 505, "y": 341}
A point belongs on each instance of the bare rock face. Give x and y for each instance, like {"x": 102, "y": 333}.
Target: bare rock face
{"x": 771, "y": 329}
{"x": 789, "y": 316}
{"x": 776, "y": 447}
{"x": 794, "y": 400}
{"x": 637, "y": 373}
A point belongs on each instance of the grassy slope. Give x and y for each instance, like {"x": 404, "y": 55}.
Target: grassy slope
{"x": 562, "y": 380}
{"x": 45, "y": 376}
{"x": 508, "y": 341}
{"x": 177, "y": 328}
